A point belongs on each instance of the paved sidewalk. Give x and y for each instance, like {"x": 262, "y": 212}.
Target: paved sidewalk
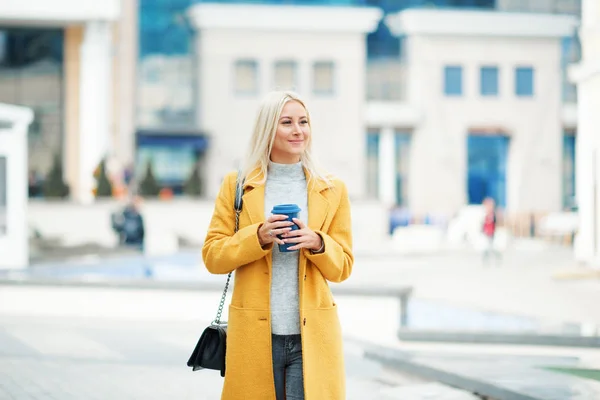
{"x": 83, "y": 343}
{"x": 522, "y": 284}
{"x": 70, "y": 343}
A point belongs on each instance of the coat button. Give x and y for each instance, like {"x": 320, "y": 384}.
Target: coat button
{"x": 304, "y": 277}
{"x": 304, "y": 322}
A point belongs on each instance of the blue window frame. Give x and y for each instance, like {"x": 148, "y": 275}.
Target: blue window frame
{"x": 453, "y": 80}
{"x": 489, "y": 81}
{"x": 524, "y": 86}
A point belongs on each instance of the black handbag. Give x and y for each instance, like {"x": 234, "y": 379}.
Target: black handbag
{"x": 209, "y": 352}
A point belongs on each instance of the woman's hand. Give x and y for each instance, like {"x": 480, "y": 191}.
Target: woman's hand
{"x": 304, "y": 237}
{"x": 273, "y": 226}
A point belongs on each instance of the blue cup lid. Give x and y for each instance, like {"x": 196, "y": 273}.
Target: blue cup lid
{"x": 285, "y": 209}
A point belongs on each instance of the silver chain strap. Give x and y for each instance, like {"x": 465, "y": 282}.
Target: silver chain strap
{"x": 238, "y": 209}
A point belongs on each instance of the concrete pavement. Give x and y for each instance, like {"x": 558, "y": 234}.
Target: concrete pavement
{"x": 65, "y": 343}
{"x": 522, "y": 284}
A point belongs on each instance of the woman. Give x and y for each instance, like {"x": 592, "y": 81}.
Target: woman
{"x": 284, "y": 338}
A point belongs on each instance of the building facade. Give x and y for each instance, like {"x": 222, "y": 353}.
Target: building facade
{"x": 244, "y": 51}
{"x": 69, "y": 61}
{"x": 436, "y": 122}
{"x": 483, "y": 112}
{"x": 587, "y": 76}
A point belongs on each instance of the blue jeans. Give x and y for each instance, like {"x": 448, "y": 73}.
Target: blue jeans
{"x": 287, "y": 367}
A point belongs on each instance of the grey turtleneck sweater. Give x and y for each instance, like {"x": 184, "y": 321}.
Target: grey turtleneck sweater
{"x": 286, "y": 184}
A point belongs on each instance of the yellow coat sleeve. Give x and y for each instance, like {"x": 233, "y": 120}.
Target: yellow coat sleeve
{"x": 336, "y": 261}
{"x": 224, "y": 250}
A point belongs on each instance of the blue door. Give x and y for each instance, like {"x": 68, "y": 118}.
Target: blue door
{"x": 486, "y": 168}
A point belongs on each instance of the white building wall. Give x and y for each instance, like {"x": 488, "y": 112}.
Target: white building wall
{"x": 14, "y": 235}
{"x": 439, "y": 157}
{"x": 337, "y": 119}
{"x": 96, "y": 72}
{"x": 587, "y": 76}
{"x": 438, "y": 169}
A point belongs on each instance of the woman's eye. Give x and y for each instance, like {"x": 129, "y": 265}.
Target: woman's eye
{"x": 286, "y": 122}
{"x": 304, "y": 122}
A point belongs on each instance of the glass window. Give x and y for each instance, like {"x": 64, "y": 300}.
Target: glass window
{"x": 3, "y": 190}
{"x": 489, "y": 81}
{"x": 285, "y": 75}
{"x": 569, "y": 140}
{"x": 373, "y": 163}
{"x": 166, "y": 86}
{"x": 402, "y": 144}
{"x": 524, "y": 81}
{"x": 570, "y": 54}
{"x": 246, "y": 77}
{"x": 453, "y": 81}
{"x": 323, "y": 75}
{"x": 3, "y": 36}
{"x": 32, "y": 75}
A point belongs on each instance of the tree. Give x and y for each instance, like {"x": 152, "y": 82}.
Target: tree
{"x": 148, "y": 186}
{"x": 103, "y": 185}
{"x": 54, "y": 185}
{"x": 193, "y": 185}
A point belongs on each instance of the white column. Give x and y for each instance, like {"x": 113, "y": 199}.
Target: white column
{"x": 95, "y": 102}
{"x": 127, "y": 48}
{"x": 587, "y": 77}
{"x": 584, "y": 247}
{"x": 387, "y": 166}
{"x": 14, "y": 242}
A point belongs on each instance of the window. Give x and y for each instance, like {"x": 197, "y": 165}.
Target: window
{"x": 569, "y": 140}
{"x": 285, "y": 75}
{"x": 524, "y": 81}
{"x": 246, "y": 77}
{"x": 323, "y": 77}
{"x": 373, "y": 163}
{"x": 489, "y": 81}
{"x": 402, "y": 145}
{"x": 3, "y": 190}
{"x": 453, "y": 81}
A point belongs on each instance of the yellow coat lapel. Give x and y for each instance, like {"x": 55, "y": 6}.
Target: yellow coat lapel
{"x": 318, "y": 204}
{"x": 254, "y": 197}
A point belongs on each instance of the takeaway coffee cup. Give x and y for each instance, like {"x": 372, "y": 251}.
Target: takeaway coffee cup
{"x": 291, "y": 210}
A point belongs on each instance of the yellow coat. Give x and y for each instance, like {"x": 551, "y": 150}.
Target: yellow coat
{"x": 249, "y": 365}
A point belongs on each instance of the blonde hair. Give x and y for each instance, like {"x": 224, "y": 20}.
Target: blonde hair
{"x": 263, "y": 136}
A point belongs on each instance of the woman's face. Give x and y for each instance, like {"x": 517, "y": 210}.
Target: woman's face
{"x": 293, "y": 134}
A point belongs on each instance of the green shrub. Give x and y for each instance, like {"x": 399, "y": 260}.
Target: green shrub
{"x": 193, "y": 185}
{"x": 149, "y": 186}
{"x": 54, "y": 185}
{"x": 103, "y": 185}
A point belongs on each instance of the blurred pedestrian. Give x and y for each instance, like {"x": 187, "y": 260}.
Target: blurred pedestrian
{"x": 284, "y": 338}
{"x": 490, "y": 221}
{"x": 129, "y": 224}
